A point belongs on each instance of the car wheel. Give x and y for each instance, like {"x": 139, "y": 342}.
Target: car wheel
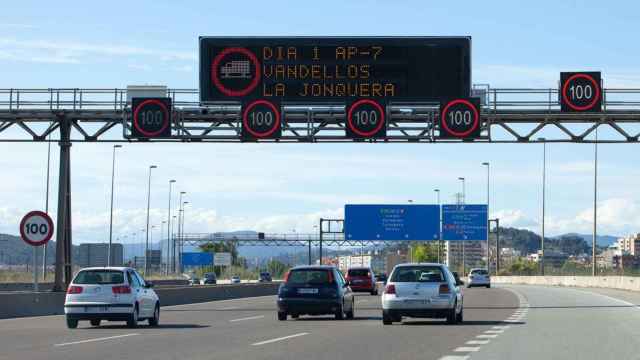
{"x": 488, "y": 286}
{"x": 351, "y": 313}
{"x": 155, "y": 320}
{"x": 282, "y": 316}
{"x": 295, "y": 316}
{"x": 452, "y": 317}
{"x": 72, "y": 323}
{"x": 133, "y": 318}
{"x": 95, "y": 322}
{"x": 386, "y": 318}
{"x": 340, "y": 313}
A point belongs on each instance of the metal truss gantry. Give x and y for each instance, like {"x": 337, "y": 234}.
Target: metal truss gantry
{"x": 73, "y": 115}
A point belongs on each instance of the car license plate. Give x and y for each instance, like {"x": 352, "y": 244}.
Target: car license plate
{"x": 307, "y": 291}
{"x": 417, "y": 302}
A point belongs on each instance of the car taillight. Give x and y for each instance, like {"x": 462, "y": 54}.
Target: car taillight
{"x": 124, "y": 289}
{"x": 390, "y": 289}
{"x": 74, "y": 290}
{"x": 286, "y": 276}
{"x": 444, "y": 289}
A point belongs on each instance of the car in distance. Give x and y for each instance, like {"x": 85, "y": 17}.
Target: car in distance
{"x": 265, "y": 277}
{"x": 235, "y": 279}
{"x": 209, "y": 279}
{"x": 382, "y": 277}
{"x": 479, "y": 277}
{"x": 193, "y": 279}
{"x": 315, "y": 290}
{"x": 422, "y": 290}
{"x": 112, "y": 294}
{"x": 361, "y": 279}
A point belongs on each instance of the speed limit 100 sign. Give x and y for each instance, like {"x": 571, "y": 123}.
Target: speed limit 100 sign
{"x": 460, "y": 118}
{"x": 151, "y": 117}
{"x": 36, "y": 228}
{"x": 581, "y": 91}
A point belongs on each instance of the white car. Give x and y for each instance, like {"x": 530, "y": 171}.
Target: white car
{"x": 235, "y": 279}
{"x": 113, "y": 294}
{"x": 479, "y": 277}
{"x": 423, "y": 290}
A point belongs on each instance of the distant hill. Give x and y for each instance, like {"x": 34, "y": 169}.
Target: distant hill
{"x": 601, "y": 240}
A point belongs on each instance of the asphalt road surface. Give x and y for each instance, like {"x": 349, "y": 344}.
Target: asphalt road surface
{"x": 500, "y": 323}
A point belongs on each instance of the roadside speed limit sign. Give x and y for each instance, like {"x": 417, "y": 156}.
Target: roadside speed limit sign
{"x": 36, "y": 228}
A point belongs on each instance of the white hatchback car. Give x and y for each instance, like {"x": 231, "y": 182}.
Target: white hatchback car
{"x": 420, "y": 290}
{"x": 479, "y": 277}
{"x": 113, "y": 294}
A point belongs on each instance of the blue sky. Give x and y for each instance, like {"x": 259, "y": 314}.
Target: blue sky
{"x": 277, "y": 188}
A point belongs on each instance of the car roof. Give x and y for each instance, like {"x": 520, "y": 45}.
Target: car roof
{"x": 419, "y": 264}
{"x": 116, "y": 268}
{"x": 313, "y": 267}
{"x": 360, "y": 268}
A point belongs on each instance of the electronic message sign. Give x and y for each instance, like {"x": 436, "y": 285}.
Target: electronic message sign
{"x": 392, "y": 222}
{"x": 580, "y": 91}
{"x": 325, "y": 69}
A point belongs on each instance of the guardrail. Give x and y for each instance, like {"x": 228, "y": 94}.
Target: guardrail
{"x": 24, "y": 304}
{"x": 610, "y": 282}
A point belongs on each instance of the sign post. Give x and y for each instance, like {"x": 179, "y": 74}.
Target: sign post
{"x": 36, "y": 229}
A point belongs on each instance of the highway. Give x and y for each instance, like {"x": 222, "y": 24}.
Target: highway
{"x": 500, "y": 323}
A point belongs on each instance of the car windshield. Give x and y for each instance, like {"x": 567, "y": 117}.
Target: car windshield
{"x": 418, "y": 274}
{"x": 479, "y": 272}
{"x": 309, "y": 277}
{"x": 359, "y": 272}
{"x": 99, "y": 277}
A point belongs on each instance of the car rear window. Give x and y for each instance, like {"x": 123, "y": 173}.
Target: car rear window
{"x": 99, "y": 277}
{"x": 309, "y": 277}
{"x": 479, "y": 272}
{"x": 359, "y": 272}
{"x": 418, "y": 274}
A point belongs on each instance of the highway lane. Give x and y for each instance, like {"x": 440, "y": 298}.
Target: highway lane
{"x": 248, "y": 329}
{"x": 571, "y": 323}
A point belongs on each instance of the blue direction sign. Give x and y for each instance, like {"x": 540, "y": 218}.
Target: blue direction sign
{"x": 391, "y": 222}
{"x": 464, "y": 222}
{"x": 197, "y": 259}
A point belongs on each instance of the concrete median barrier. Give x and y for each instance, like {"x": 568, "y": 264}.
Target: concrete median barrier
{"x": 611, "y": 282}
{"x": 22, "y": 303}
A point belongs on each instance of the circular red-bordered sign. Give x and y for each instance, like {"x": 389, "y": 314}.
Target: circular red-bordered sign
{"x": 245, "y": 118}
{"x": 476, "y": 117}
{"x": 588, "y": 106}
{"x": 355, "y": 105}
{"x": 215, "y": 65}
{"x": 165, "y": 111}
{"x": 36, "y": 220}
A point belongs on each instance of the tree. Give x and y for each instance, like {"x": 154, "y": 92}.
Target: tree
{"x": 425, "y": 253}
{"x": 277, "y": 268}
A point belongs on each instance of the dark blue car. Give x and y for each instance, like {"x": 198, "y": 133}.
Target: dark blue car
{"x": 315, "y": 290}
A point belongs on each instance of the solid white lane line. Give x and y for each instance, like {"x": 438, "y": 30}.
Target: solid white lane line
{"x": 279, "y": 339}
{"x": 487, "y": 336}
{"x": 454, "y": 357}
{"x": 494, "y": 331}
{"x": 96, "y": 339}
{"x": 477, "y": 342}
{"x": 505, "y": 327}
{"x": 228, "y": 308}
{"x": 248, "y": 318}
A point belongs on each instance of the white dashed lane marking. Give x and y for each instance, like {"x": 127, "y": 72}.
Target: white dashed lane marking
{"x": 467, "y": 349}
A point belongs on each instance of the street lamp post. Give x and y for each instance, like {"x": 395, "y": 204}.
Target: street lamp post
{"x": 113, "y": 169}
{"x": 437, "y": 191}
{"x": 595, "y": 207}
{"x": 410, "y": 244}
{"x": 179, "y": 230}
{"x": 181, "y": 245}
{"x": 544, "y": 189}
{"x": 169, "y": 227}
{"x": 146, "y": 248}
{"x": 173, "y": 245}
{"x": 488, "y": 182}
{"x": 464, "y": 242}
{"x": 161, "y": 247}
